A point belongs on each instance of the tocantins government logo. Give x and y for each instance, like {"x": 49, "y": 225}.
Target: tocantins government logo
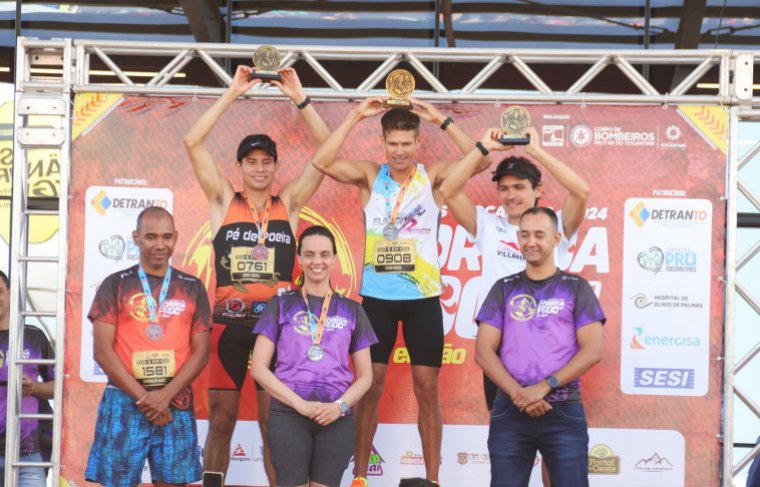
{"x": 199, "y": 255}
{"x": 522, "y": 307}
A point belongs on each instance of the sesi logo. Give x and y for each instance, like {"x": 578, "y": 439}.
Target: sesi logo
{"x": 660, "y": 378}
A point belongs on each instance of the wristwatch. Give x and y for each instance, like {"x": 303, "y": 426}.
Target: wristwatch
{"x": 553, "y": 382}
{"x": 343, "y": 407}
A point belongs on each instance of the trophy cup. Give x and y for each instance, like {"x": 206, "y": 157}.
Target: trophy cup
{"x": 400, "y": 84}
{"x": 514, "y": 121}
{"x": 267, "y": 60}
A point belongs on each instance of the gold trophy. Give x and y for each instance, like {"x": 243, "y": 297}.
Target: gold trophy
{"x": 400, "y": 84}
{"x": 514, "y": 121}
{"x": 267, "y": 60}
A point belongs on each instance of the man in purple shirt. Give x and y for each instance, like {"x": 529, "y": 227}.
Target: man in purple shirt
{"x": 36, "y": 345}
{"x": 545, "y": 332}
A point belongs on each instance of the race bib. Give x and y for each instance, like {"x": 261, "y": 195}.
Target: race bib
{"x": 395, "y": 255}
{"x": 244, "y": 267}
{"x": 154, "y": 368}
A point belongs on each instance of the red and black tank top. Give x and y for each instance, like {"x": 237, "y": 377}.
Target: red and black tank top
{"x": 246, "y": 279}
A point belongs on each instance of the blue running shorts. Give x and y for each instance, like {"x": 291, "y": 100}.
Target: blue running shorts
{"x": 124, "y": 438}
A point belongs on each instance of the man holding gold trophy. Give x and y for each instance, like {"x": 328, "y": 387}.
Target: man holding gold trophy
{"x": 255, "y": 248}
{"x": 518, "y": 182}
{"x": 401, "y": 278}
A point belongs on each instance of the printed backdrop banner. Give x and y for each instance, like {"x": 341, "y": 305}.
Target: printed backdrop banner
{"x": 651, "y": 245}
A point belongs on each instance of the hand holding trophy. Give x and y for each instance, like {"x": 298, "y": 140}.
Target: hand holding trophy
{"x": 400, "y": 85}
{"x": 514, "y": 121}
{"x": 267, "y": 60}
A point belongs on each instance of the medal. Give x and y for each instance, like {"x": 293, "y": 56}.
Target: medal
{"x": 315, "y": 353}
{"x": 260, "y": 252}
{"x": 154, "y": 331}
{"x": 390, "y": 231}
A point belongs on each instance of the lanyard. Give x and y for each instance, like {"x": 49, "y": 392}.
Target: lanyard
{"x": 262, "y": 222}
{"x": 392, "y": 215}
{"x": 152, "y": 310}
{"x": 317, "y": 329}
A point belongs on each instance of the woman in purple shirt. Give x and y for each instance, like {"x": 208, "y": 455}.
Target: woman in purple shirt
{"x": 313, "y": 331}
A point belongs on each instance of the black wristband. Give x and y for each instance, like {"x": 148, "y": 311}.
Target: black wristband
{"x": 446, "y": 123}
{"x": 304, "y": 103}
{"x": 479, "y": 145}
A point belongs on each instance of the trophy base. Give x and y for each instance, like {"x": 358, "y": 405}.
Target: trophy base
{"x": 394, "y": 103}
{"x": 506, "y": 140}
{"x": 265, "y": 75}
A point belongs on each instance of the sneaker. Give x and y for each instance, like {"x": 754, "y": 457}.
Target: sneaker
{"x": 359, "y": 482}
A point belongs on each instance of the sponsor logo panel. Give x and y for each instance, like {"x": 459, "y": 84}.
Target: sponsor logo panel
{"x": 666, "y": 281}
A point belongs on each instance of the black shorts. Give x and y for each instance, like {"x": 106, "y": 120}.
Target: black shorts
{"x": 422, "y": 326}
{"x": 230, "y": 357}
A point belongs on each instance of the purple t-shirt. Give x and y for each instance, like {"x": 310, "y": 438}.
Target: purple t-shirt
{"x": 36, "y": 345}
{"x": 347, "y": 330}
{"x": 538, "y": 321}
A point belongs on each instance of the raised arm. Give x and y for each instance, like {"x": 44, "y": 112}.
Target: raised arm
{"x": 290, "y": 86}
{"x": 342, "y": 170}
{"x": 297, "y": 192}
{"x": 452, "y": 186}
{"x": 574, "y": 206}
{"x": 217, "y": 188}
{"x": 439, "y": 170}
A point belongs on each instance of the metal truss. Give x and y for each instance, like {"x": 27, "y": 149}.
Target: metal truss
{"x": 736, "y": 291}
{"x": 70, "y": 61}
{"x": 54, "y": 104}
{"x": 694, "y": 63}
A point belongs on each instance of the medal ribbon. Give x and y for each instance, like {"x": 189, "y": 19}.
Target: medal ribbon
{"x": 392, "y": 215}
{"x": 262, "y": 222}
{"x": 152, "y": 310}
{"x": 317, "y": 329}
